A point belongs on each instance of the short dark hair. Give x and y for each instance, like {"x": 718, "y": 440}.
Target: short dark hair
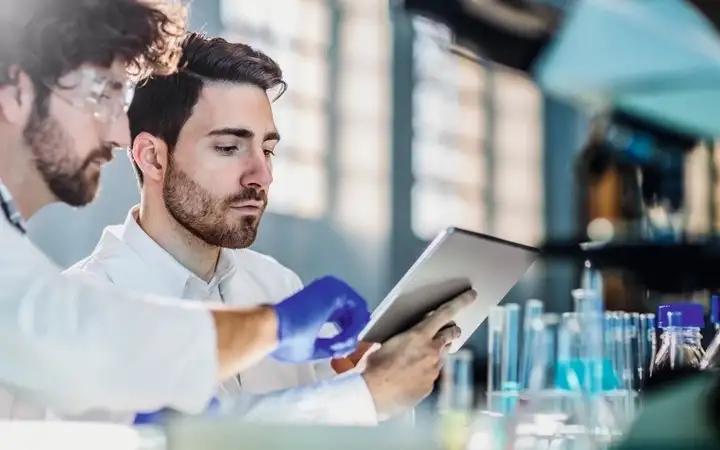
{"x": 163, "y": 104}
{"x": 50, "y": 38}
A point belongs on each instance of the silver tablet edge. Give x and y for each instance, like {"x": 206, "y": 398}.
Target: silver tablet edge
{"x": 393, "y": 294}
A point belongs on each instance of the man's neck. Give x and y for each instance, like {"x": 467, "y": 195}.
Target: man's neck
{"x": 196, "y": 255}
{"x": 25, "y": 184}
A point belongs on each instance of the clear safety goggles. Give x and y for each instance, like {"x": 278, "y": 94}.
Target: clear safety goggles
{"x": 93, "y": 91}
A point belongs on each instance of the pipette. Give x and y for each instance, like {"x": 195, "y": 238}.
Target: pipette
{"x": 533, "y": 312}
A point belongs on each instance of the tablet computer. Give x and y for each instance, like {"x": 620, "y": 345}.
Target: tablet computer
{"x": 455, "y": 261}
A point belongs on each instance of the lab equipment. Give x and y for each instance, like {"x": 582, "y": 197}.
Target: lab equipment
{"x": 635, "y": 339}
{"x": 652, "y": 95}
{"x": 533, "y": 312}
{"x": 590, "y": 308}
{"x": 680, "y": 338}
{"x": 644, "y": 348}
{"x": 711, "y": 359}
{"x": 303, "y": 315}
{"x": 496, "y": 324}
{"x": 452, "y": 263}
{"x": 510, "y": 354}
{"x": 456, "y": 399}
{"x": 627, "y": 336}
{"x": 715, "y": 311}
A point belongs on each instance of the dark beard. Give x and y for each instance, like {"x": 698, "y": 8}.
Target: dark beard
{"x": 54, "y": 156}
{"x": 204, "y": 216}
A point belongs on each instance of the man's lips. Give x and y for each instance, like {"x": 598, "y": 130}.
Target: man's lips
{"x": 249, "y": 205}
{"x": 254, "y": 208}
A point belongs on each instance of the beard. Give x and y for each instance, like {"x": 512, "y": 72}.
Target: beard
{"x": 205, "y": 216}
{"x": 54, "y": 156}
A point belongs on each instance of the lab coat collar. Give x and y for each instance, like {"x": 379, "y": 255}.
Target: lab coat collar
{"x": 175, "y": 276}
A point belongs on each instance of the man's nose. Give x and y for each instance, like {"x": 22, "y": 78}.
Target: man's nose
{"x": 259, "y": 173}
{"x": 118, "y": 132}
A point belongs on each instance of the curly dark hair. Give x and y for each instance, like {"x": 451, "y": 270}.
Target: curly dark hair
{"x": 50, "y": 38}
{"x": 163, "y": 104}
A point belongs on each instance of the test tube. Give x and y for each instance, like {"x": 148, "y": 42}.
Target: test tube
{"x": 544, "y": 346}
{"x": 456, "y": 400}
{"x": 568, "y": 351}
{"x": 456, "y": 383}
{"x": 627, "y": 337}
{"x": 533, "y": 313}
{"x": 635, "y": 334}
{"x": 619, "y": 362}
{"x": 496, "y": 323}
{"x": 651, "y": 339}
{"x": 511, "y": 335}
{"x": 608, "y": 336}
{"x": 590, "y": 306}
{"x": 643, "y": 350}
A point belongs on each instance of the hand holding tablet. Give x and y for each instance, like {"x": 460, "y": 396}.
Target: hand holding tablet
{"x": 454, "y": 262}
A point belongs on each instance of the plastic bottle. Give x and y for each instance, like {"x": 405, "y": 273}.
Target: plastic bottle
{"x": 680, "y": 338}
{"x": 712, "y": 355}
{"x": 715, "y": 311}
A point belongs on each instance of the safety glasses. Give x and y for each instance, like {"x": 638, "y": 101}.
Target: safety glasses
{"x": 97, "y": 92}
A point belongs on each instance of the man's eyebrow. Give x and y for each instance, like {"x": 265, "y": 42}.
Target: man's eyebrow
{"x": 272, "y": 136}
{"x": 243, "y": 133}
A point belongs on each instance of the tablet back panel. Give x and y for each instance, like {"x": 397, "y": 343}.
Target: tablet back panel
{"x": 456, "y": 260}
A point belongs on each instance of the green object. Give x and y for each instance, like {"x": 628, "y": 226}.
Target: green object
{"x": 675, "y": 419}
{"x": 610, "y": 381}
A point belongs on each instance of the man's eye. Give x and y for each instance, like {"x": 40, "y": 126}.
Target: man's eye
{"x": 225, "y": 150}
{"x": 269, "y": 152}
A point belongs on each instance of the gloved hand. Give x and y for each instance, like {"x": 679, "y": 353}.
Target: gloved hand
{"x": 161, "y": 416}
{"x": 302, "y": 316}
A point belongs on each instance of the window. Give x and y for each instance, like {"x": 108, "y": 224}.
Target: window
{"x": 448, "y": 137}
{"x": 518, "y": 153}
{"x": 472, "y": 172}
{"x": 295, "y": 33}
{"x": 363, "y": 125}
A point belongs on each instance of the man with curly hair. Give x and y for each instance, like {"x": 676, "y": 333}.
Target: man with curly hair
{"x": 72, "y": 346}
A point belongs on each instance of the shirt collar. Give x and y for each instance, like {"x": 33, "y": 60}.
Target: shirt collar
{"x": 7, "y": 207}
{"x": 175, "y": 274}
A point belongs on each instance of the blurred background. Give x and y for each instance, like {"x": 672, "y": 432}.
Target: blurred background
{"x": 387, "y": 139}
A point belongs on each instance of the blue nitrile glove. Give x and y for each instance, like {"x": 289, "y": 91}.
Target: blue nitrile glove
{"x": 302, "y": 316}
{"x": 162, "y": 416}
{"x": 152, "y": 418}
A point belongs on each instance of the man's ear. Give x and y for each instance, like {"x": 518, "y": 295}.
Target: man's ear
{"x": 17, "y": 97}
{"x": 151, "y": 156}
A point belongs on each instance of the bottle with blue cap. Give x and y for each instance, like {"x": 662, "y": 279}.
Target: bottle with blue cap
{"x": 715, "y": 311}
{"x": 680, "y": 338}
{"x": 712, "y": 355}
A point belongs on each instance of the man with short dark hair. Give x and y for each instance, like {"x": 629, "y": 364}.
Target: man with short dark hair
{"x": 65, "y": 87}
{"x": 204, "y": 139}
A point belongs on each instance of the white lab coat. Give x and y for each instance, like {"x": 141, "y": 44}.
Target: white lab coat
{"x": 129, "y": 258}
{"x": 73, "y": 345}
